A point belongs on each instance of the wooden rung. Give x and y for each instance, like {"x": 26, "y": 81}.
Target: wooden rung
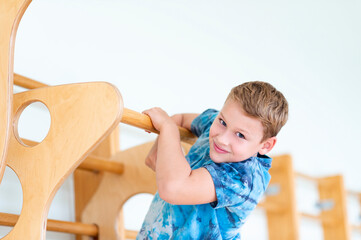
{"x": 270, "y": 206}
{"x": 27, "y": 83}
{"x": 354, "y": 194}
{"x": 307, "y": 177}
{"x": 310, "y": 216}
{"x": 129, "y": 117}
{"x": 356, "y": 227}
{"x": 10, "y": 220}
{"x": 143, "y": 121}
{"x": 318, "y": 218}
{"x": 7, "y": 219}
{"x": 92, "y": 163}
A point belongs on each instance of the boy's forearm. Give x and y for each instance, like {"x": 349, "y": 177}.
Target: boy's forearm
{"x": 184, "y": 119}
{"x": 171, "y": 167}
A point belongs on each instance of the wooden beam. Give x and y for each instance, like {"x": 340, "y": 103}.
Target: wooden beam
{"x": 7, "y": 219}
{"x": 306, "y": 177}
{"x": 129, "y": 117}
{"x": 143, "y": 121}
{"x": 27, "y": 83}
{"x": 10, "y": 220}
{"x": 356, "y": 227}
{"x": 92, "y": 163}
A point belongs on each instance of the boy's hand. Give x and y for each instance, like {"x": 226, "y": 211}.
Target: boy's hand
{"x": 159, "y": 118}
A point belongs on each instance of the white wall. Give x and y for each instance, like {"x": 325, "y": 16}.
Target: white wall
{"x": 185, "y": 56}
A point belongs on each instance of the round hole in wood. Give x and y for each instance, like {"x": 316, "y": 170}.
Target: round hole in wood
{"x": 32, "y": 123}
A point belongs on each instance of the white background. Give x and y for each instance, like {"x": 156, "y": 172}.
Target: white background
{"x": 185, "y": 56}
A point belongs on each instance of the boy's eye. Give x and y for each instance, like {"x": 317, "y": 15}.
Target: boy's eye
{"x": 240, "y": 135}
{"x": 222, "y": 122}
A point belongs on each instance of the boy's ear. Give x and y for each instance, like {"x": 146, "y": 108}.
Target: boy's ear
{"x": 267, "y": 145}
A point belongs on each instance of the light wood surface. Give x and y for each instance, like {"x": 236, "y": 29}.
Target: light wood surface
{"x": 92, "y": 162}
{"x": 129, "y": 117}
{"x": 282, "y": 216}
{"x": 114, "y": 190}
{"x": 82, "y": 115}
{"x": 337, "y": 228}
{"x": 86, "y": 183}
{"x": 10, "y": 15}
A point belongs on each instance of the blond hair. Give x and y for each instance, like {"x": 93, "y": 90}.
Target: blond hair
{"x": 263, "y": 102}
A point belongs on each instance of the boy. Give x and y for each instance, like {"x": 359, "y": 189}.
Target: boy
{"x": 209, "y": 193}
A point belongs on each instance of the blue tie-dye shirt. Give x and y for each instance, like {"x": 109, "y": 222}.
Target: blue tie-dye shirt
{"x": 239, "y": 186}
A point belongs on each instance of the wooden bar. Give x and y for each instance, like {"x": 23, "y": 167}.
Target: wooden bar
{"x": 27, "y": 83}
{"x": 7, "y": 219}
{"x": 140, "y": 120}
{"x": 317, "y": 218}
{"x": 354, "y": 194}
{"x": 10, "y": 220}
{"x": 356, "y": 227}
{"x": 306, "y": 177}
{"x": 270, "y": 206}
{"x": 92, "y": 163}
{"x": 310, "y": 216}
{"x": 129, "y": 117}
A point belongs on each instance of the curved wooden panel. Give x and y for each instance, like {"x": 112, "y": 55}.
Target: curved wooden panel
{"x": 114, "y": 190}
{"x": 11, "y": 12}
{"x": 82, "y": 115}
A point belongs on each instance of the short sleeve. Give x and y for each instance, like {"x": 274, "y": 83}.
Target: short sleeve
{"x": 203, "y": 122}
{"x": 232, "y": 182}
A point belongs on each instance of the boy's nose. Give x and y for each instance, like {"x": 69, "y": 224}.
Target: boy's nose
{"x": 223, "y": 138}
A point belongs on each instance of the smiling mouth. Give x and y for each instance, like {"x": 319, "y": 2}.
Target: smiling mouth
{"x": 218, "y": 149}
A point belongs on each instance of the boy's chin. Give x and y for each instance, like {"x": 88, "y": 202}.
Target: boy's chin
{"x": 216, "y": 158}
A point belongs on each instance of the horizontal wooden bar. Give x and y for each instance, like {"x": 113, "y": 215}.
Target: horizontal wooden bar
{"x": 271, "y": 207}
{"x": 27, "y": 83}
{"x": 7, "y": 219}
{"x": 318, "y": 218}
{"x": 356, "y": 227}
{"x": 129, "y": 117}
{"x": 307, "y": 177}
{"x": 354, "y": 194}
{"x": 143, "y": 121}
{"x": 92, "y": 163}
{"x": 310, "y": 216}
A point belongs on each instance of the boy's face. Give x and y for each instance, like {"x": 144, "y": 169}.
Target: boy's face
{"x": 234, "y": 136}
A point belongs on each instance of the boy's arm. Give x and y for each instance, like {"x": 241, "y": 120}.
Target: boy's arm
{"x": 177, "y": 182}
{"x": 184, "y": 119}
